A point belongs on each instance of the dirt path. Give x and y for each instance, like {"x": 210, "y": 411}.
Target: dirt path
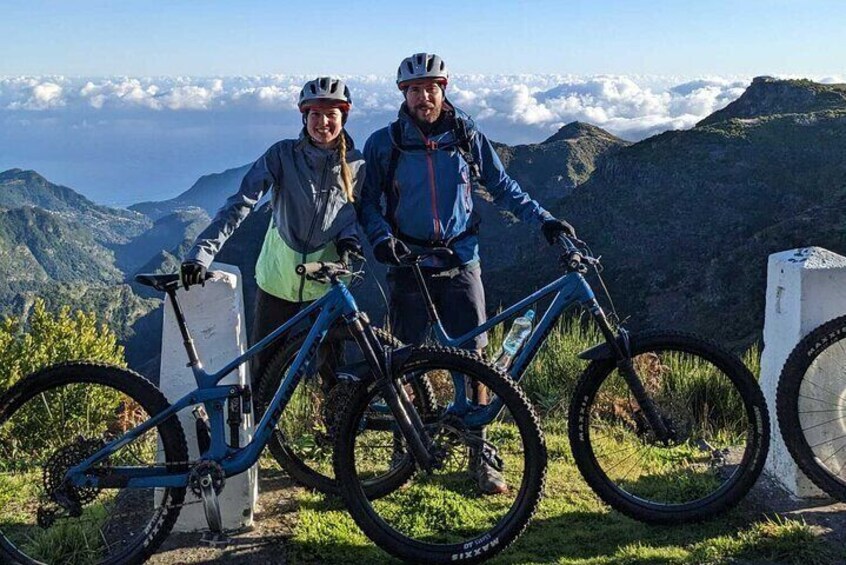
{"x": 265, "y": 544}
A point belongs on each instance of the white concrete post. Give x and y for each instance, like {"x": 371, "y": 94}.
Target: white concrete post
{"x": 805, "y": 288}
{"x": 215, "y": 317}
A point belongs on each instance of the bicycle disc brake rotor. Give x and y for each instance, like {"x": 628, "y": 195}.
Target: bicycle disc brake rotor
{"x": 451, "y": 448}
{"x": 335, "y": 404}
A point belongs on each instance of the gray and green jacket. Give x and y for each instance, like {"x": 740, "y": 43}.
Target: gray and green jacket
{"x": 310, "y": 213}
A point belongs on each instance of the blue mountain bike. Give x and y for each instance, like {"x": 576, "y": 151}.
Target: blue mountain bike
{"x": 106, "y": 483}
{"x": 665, "y": 427}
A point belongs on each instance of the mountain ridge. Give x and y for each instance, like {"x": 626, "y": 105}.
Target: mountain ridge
{"x": 768, "y": 96}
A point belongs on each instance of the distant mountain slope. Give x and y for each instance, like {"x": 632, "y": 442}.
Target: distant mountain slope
{"x": 557, "y": 165}
{"x": 549, "y": 171}
{"x": 19, "y": 188}
{"x": 208, "y": 193}
{"x": 167, "y": 234}
{"x": 58, "y": 245}
{"x": 685, "y": 220}
{"x": 39, "y": 245}
{"x": 767, "y": 96}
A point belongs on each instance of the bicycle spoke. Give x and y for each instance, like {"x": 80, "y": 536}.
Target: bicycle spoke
{"x": 835, "y": 395}
{"x": 821, "y": 424}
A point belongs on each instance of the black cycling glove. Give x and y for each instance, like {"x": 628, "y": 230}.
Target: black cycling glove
{"x": 192, "y": 273}
{"x": 553, "y": 227}
{"x": 348, "y": 248}
{"x": 390, "y": 251}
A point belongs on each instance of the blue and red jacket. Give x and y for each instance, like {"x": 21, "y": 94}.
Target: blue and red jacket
{"x": 432, "y": 197}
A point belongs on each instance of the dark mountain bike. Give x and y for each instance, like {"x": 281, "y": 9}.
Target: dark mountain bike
{"x": 811, "y": 406}
{"x": 666, "y": 427}
{"x": 106, "y": 485}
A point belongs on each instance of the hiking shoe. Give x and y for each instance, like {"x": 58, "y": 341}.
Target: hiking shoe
{"x": 488, "y": 479}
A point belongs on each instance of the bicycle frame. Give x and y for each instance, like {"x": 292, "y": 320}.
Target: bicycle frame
{"x": 570, "y": 289}
{"x": 338, "y": 302}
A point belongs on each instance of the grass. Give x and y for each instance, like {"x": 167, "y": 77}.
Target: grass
{"x": 76, "y": 542}
{"x": 573, "y": 527}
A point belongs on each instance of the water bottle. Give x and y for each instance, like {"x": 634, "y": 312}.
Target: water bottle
{"x": 520, "y": 330}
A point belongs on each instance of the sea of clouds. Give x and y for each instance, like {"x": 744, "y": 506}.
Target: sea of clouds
{"x": 120, "y": 140}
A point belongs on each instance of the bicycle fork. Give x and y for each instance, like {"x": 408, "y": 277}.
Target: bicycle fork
{"x": 407, "y": 418}
{"x": 620, "y": 351}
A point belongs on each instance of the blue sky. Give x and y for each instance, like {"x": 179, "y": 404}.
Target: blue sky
{"x": 205, "y": 38}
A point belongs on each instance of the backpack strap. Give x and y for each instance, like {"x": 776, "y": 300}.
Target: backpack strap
{"x": 464, "y": 146}
{"x": 390, "y": 188}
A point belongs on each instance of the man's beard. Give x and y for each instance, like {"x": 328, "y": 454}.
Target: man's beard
{"x": 431, "y": 118}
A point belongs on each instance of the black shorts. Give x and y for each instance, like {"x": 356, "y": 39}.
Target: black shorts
{"x": 459, "y": 301}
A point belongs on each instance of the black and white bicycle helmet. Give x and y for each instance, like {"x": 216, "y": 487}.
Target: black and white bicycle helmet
{"x": 325, "y": 90}
{"x": 422, "y": 66}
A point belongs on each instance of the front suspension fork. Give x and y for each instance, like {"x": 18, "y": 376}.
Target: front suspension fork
{"x": 623, "y": 357}
{"x": 407, "y": 418}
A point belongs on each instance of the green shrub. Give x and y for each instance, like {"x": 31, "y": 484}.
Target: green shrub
{"x": 752, "y": 359}
{"x": 46, "y": 339}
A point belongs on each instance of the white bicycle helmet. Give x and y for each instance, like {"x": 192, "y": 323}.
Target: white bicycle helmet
{"x": 422, "y": 66}
{"x": 325, "y": 90}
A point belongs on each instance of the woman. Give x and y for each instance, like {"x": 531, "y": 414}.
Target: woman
{"x": 314, "y": 180}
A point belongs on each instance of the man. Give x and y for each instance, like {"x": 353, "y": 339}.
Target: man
{"x": 423, "y": 164}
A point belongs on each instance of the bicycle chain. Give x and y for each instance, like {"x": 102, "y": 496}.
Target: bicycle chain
{"x": 188, "y": 464}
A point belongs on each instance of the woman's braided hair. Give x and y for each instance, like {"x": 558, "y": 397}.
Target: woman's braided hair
{"x": 346, "y": 173}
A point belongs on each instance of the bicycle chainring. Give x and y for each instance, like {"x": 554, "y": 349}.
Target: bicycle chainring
{"x": 203, "y": 468}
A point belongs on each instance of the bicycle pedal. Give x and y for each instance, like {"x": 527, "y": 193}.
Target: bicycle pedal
{"x": 216, "y": 539}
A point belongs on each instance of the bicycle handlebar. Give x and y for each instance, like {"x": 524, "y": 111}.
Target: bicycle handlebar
{"x": 574, "y": 258}
{"x": 326, "y": 268}
{"x": 414, "y": 258}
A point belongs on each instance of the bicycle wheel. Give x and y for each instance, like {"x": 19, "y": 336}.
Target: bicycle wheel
{"x": 718, "y": 422}
{"x": 811, "y": 406}
{"x": 441, "y": 517}
{"x": 303, "y": 439}
{"x": 52, "y": 421}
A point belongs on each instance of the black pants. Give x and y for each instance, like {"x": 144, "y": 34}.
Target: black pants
{"x": 270, "y": 313}
{"x": 459, "y": 300}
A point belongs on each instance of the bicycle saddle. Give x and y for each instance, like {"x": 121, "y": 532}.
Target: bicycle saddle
{"x": 159, "y": 282}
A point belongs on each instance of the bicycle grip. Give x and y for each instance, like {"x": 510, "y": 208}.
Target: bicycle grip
{"x": 309, "y": 268}
{"x": 574, "y": 259}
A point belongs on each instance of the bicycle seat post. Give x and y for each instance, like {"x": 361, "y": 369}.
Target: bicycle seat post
{"x": 424, "y": 290}
{"x": 190, "y": 349}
